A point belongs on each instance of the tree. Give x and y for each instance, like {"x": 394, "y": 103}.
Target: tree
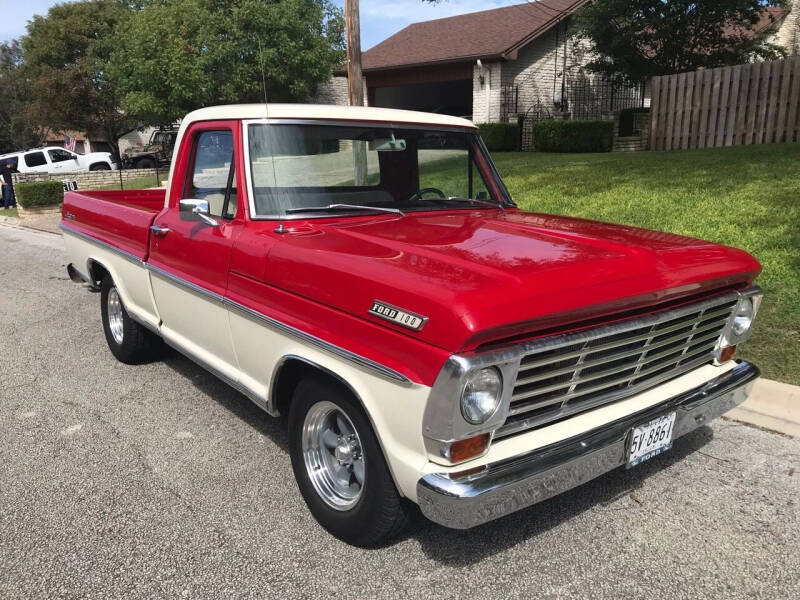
{"x": 17, "y": 132}
{"x": 638, "y": 39}
{"x": 177, "y": 56}
{"x": 66, "y": 58}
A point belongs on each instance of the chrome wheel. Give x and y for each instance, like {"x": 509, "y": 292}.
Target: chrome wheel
{"x": 332, "y": 455}
{"x": 114, "y": 305}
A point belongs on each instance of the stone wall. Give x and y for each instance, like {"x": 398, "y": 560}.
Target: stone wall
{"x": 333, "y": 91}
{"x": 95, "y": 180}
{"x": 632, "y": 143}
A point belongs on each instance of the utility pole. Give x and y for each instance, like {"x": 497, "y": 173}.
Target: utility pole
{"x": 355, "y": 84}
{"x": 353, "y": 31}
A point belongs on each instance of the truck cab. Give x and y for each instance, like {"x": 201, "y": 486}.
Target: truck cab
{"x": 366, "y": 273}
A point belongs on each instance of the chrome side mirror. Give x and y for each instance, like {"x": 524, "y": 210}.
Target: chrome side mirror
{"x": 192, "y": 209}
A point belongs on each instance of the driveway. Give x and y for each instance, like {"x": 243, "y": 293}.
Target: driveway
{"x": 160, "y": 481}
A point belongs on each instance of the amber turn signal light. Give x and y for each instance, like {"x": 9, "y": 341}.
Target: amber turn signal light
{"x": 469, "y": 448}
{"x": 727, "y": 353}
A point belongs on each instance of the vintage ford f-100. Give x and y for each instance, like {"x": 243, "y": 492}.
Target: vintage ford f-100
{"x": 365, "y": 273}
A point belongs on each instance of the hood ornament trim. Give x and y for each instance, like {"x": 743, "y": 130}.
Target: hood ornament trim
{"x": 398, "y": 316}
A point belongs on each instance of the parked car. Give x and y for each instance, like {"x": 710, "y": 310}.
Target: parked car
{"x": 366, "y": 273}
{"x": 157, "y": 152}
{"x": 53, "y": 159}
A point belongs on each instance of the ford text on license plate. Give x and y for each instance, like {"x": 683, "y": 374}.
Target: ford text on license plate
{"x": 651, "y": 439}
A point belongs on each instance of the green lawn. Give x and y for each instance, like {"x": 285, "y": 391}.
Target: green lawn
{"x": 746, "y": 196}
{"x": 139, "y": 184}
{"x": 11, "y": 212}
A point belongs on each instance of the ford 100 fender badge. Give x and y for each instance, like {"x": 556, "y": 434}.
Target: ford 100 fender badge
{"x": 397, "y": 315}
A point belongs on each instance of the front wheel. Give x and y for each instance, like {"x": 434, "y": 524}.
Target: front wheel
{"x": 128, "y": 341}
{"x": 339, "y": 466}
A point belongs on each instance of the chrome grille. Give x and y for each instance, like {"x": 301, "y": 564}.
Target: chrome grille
{"x": 565, "y": 374}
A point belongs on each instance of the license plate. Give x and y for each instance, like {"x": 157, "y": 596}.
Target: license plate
{"x": 651, "y": 439}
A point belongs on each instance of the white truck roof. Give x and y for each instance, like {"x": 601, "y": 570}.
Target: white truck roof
{"x": 324, "y": 111}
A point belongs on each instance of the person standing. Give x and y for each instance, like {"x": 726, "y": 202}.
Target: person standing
{"x": 6, "y": 173}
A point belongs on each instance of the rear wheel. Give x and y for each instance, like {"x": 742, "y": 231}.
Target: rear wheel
{"x": 100, "y": 167}
{"x": 128, "y": 341}
{"x": 339, "y": 466}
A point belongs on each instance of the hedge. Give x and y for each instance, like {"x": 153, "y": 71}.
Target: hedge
{"x": 39, "y": 193}
{"x": 500, "y": 137}
{"x": 573, "y": 136}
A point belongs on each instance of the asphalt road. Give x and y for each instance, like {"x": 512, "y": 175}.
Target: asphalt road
{"x": 160, "y": 481}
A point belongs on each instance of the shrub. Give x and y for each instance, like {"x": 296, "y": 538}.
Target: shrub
{"x": 573, "y": 136}
{"x": 39, "y": 193}
{"x": 500, "y": 137}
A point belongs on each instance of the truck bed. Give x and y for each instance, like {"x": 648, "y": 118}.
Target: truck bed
{"x": 119, "y": 218}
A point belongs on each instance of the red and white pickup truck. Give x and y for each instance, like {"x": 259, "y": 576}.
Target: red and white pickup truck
{"x": 366, "y": 273}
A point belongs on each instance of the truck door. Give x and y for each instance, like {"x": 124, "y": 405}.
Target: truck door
{"x": 189, "y": 258}
{"x": 62, "y": 161}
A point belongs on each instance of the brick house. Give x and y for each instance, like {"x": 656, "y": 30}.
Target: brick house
{"x": 500, "y": 64}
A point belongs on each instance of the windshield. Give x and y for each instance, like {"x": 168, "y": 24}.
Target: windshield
{"x": 295, "y": 167}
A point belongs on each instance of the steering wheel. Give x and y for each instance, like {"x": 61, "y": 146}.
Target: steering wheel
{"x": 419, "y": 193}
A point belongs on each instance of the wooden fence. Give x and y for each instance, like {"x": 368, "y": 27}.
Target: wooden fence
{"x": 745, "y": 104}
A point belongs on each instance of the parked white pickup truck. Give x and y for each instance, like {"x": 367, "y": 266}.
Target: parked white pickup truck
{"x": 53, "y": 159}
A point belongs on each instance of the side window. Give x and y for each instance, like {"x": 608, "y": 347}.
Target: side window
{"x": 212, "y": 175}
{"x": 35, "y": 159}
{"x": 57, "y": 155}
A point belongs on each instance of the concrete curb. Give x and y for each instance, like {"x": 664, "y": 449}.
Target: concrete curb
{"x": 15, "y": 223}
{"x": 772, "y": 405}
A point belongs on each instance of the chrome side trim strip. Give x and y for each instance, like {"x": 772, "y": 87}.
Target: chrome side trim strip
{"x": 283, "y": 327}
{"x": 142, "y": 322}
{"x": 503, "y": 487}
{"x": 93, "y": 240}
{"x": 242, "y": 389}
{"x": 274, "y": 323}
{"x": 183, "y": 283}
{"x": 319, "y": 343}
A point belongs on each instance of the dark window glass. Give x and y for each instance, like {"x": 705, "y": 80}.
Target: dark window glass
{"x": 35, "y": 159}
{"x": 212, "y": 177}
{"x": 59, "y": 155}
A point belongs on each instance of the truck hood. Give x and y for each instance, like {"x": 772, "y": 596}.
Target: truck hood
{"x": 481, "y": 275}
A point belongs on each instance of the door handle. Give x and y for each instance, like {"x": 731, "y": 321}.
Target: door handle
{"x": 159, "y": 231}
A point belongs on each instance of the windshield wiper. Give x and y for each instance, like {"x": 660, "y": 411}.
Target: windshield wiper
{"x": 394, "y": 211}
{"x": 473, "y": 201}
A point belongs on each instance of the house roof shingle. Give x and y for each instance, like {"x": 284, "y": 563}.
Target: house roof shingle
{"x": 486, "y": 34}
{"x": 495, "y": 33}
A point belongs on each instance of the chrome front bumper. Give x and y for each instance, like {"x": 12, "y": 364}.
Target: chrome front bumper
{"x": 507, "y": 486}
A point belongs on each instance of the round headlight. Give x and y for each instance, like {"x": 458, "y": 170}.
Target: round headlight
{"x": 743, "y": 318}
{"x": 481, "y": 395}
{"x": 740, "y": 325}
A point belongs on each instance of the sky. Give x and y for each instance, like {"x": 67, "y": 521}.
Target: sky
{"x": 379, "y": 18}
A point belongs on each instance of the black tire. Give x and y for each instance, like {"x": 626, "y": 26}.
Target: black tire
{"x": 137, "y": 344}
{"x": 380, "y": 513}
{"x": 145, "y": 163}
{"x": 100, "y": 167}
